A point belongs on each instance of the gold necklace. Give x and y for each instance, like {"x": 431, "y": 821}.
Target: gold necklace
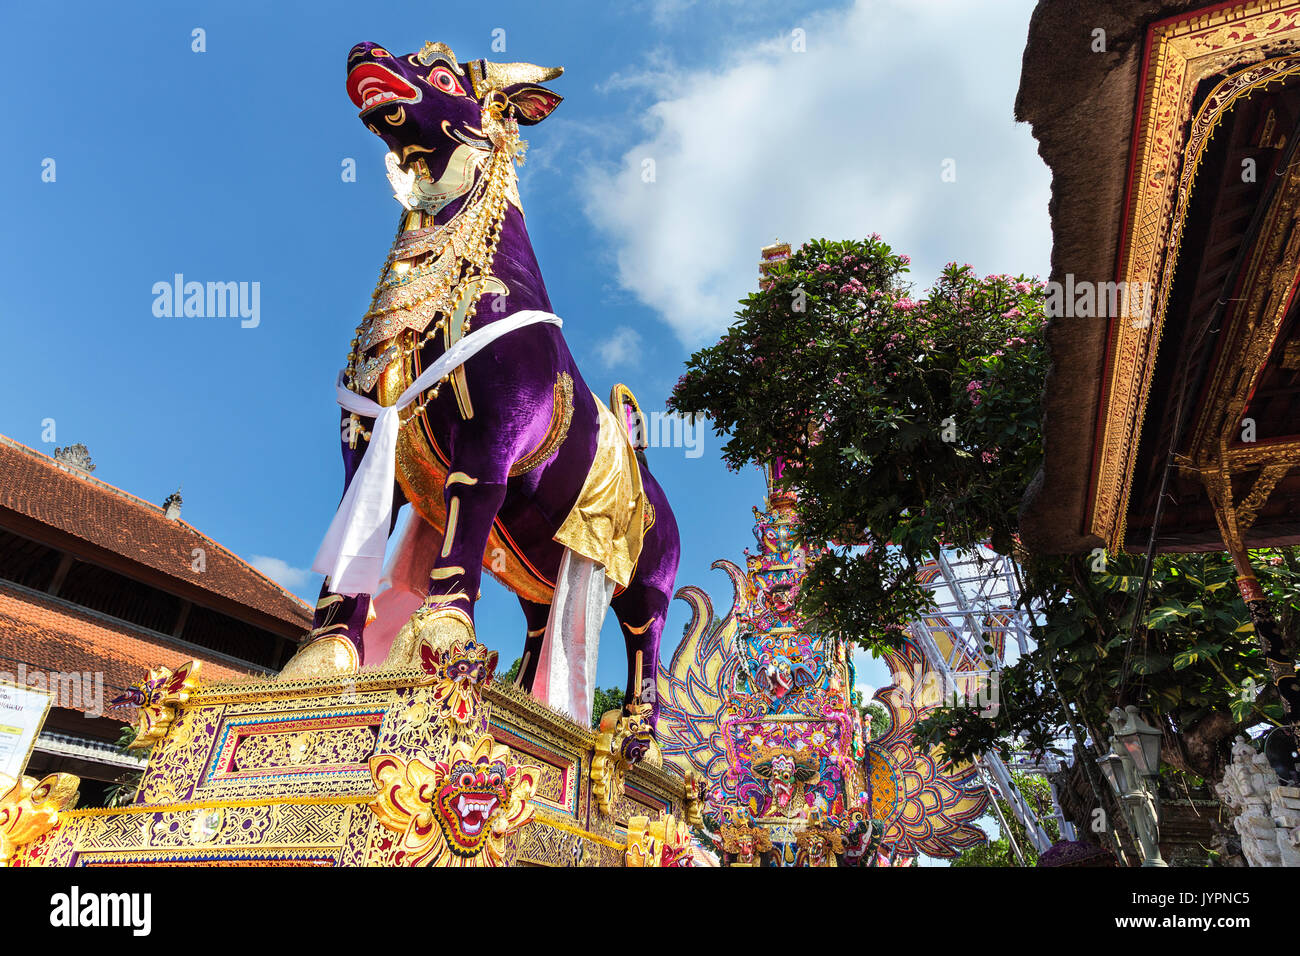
{"x": 453, "y": 259}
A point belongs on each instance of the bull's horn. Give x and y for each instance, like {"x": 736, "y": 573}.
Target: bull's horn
{"x": 498, "y": 76}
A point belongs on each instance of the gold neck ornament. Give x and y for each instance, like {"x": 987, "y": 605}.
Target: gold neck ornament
{"x": 436, "y": 271}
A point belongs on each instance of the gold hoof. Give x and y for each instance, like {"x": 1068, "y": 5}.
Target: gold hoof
{"x": 439, "y": 627}
{"x": 323, "y": 657}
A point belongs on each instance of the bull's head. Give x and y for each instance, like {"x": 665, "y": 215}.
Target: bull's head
{"x": 429, "y": 102}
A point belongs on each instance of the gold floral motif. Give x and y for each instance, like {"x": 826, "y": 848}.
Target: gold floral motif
{"x": 333, "y": 746}
{"x": 556, "y": 432}
{"x": 30, "y": 808}
{"x": 641, "y": 847}
{"x": 454, "y": 812}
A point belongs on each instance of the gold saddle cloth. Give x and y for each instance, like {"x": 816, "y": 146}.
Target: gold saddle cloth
{"x": 606, "y": 523}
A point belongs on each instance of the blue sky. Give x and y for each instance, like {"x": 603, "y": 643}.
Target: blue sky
{"x": 793, "y": 120}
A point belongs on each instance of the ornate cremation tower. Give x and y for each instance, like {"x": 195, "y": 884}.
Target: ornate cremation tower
{"x": 760, "y": 709}
{"x": 786, "y": 771}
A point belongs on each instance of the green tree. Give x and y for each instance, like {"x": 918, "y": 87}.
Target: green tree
{"x": 906, "y": 424}
{"x": 511, "y": 675}
{"x": 998, "y": 851}
{"x": 913, "y": 425}
{"x": 606, "y": 699}
{"x": 879, "y": 719}
{"x": 1193, "y": 665}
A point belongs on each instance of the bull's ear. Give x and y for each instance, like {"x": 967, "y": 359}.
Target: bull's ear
{"x": 532, "y": 103}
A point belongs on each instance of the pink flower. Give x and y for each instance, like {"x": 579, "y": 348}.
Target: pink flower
{"x": 1023, "y": 287}
{"x": 905, "y": 305}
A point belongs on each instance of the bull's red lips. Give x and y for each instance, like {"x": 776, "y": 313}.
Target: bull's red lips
{"x": 370, "y": 85}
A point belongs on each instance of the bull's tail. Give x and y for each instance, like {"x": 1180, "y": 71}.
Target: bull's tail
{"x": 628, "y": 411}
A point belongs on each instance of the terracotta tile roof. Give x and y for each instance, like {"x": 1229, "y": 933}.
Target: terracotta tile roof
{"x": 51, "y": 636}
{"x": 40, "y": 489}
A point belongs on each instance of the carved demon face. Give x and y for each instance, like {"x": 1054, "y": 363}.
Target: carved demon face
{"x": 817, "y": 851}
{"x": 472, "y": 792}
{"x": 787, "y": 773}
{"x": 457, "y": 811}
{"x": 745, "y": 849}
{"x": 458, "y": 672}
{"x": 429, "y": 102}
{"x": 783, "y": 779}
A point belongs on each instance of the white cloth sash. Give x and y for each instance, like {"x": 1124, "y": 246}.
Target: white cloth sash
{"x": 352, "y": 553}
{"x": 566, "y": 666}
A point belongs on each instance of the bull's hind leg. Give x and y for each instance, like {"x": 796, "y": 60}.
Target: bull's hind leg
{"x": 447, "y": 616}
{"x": 641, "y": 612}
{"x": 536, "y": 616}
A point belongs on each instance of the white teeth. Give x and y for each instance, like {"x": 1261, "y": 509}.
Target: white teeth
{"x": 376, "y": 98}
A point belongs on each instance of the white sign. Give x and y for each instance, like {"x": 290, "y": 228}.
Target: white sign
{"x": 22, "y": 712}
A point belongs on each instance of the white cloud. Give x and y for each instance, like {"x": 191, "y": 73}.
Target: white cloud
{"x": 870, "y": 673}
{"x": 620, "y": 347}
{"x": 847, "y": 139}
{"x": 281, "y": 572}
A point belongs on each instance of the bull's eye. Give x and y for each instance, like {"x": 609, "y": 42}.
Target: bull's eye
{"x": 446, "y": 81}
{"x": 378, "y": 52}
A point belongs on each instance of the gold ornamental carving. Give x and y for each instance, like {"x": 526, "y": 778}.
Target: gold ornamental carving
{"x": 30, "y": 808}
{"x": 1249, "y": 43}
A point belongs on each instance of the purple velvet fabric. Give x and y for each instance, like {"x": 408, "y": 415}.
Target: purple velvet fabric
{"x": 511, "y": 385}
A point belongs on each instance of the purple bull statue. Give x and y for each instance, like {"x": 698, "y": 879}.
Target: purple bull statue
{"x": 460, "y": 397}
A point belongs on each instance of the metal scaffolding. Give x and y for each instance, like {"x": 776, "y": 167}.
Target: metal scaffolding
{"x": 965, "y": 642}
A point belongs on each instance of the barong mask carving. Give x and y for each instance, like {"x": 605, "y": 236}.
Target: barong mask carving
{"x": 460, "y": 397}
{"x": 745, "y": 844}
{"x": 818, "y": 844}
{"x": 458, "y": 673}
{"x": 788, "y": 774}
{"x": 457, "y": 811}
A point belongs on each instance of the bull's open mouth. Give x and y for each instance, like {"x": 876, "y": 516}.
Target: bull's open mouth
{"x": 371, "y": 86}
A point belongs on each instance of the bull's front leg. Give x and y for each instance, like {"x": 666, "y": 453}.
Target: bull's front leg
{"x": 473, "y": 496}
{"x": 340, "y": 618}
